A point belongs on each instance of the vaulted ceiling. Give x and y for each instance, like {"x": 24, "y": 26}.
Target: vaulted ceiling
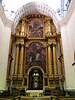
{"x": 35, "y": 7}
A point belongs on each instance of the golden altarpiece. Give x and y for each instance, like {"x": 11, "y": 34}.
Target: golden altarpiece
{"x": 35, "y": 57}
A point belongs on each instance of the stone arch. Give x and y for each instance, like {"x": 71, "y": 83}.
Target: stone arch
{"x": 35, "y": 67}
{"x": 35, "y": 77}
{"x": 35, "y": 7}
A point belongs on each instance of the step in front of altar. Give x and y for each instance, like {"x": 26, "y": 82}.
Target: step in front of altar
{"x": 36, "y": 98}
{"x": 34, "y": 93}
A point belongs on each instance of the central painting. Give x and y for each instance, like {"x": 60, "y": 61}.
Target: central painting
{"x": 35, "y": 28}
{"x": 36, "y": 55}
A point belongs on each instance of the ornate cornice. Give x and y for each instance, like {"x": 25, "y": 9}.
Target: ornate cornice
{"x": 69, "y": 14}
{"x": 6, "y": 21}
{"x": 39, "y": 41}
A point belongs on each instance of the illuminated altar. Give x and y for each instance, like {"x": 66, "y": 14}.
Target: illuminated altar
{"x": 35, "y": 57}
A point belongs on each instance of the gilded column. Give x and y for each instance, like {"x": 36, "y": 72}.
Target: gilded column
{"x": 54, "y": 59}
{"x": 21, "y": 47}
{"x": 24, "y": 58}
{"x": 21, "y": 59}
{"x": 49, "y": 59}
{"x": 16, "y": 59}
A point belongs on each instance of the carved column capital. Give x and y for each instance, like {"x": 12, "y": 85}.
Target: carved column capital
{"x": 20, "y": 41}
{"x": 17, "y": 44}
{"x": 49, "y": 44}
{"x": 54, "y": 44}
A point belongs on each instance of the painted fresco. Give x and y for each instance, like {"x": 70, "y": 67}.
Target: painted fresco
{"x": 36, "y": 28}
{"x": 36, "y": 55}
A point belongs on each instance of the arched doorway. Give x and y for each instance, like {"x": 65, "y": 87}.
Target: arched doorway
{"x": 35, "y": 79}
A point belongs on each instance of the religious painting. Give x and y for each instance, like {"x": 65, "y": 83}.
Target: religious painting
{"x": 36, "y": 55}
{"x": 36, "y": 28}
